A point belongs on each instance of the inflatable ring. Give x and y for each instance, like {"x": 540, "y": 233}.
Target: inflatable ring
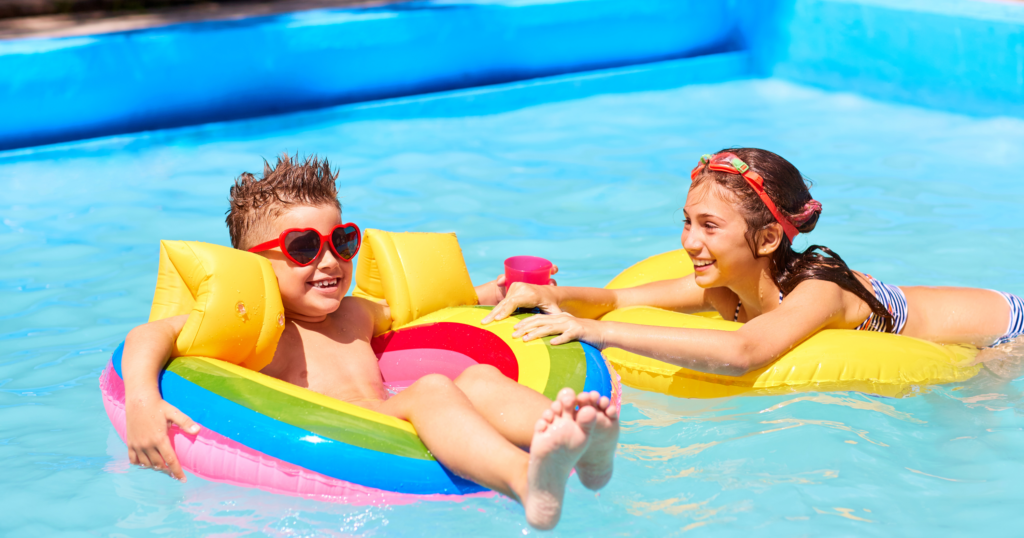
{"x": 831, "y": 360}
{"x": 262, "y": 432}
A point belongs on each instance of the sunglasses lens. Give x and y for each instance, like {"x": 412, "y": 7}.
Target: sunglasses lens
{"x": 303, "y": 247}
{"x": 346, "y": 241}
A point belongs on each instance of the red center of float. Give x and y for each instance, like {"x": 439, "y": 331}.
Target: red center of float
{"x": 441, "y": 348}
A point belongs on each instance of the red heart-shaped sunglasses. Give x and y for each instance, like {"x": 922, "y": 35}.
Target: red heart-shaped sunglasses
{"x": 304, "y": 245}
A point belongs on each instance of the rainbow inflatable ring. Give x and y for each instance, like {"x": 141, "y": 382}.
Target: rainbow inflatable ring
{"x": 261, "y": 432}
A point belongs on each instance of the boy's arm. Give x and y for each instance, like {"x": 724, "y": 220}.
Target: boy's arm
{"x": 491, "y": 293}
{"x": 146, "y": 350}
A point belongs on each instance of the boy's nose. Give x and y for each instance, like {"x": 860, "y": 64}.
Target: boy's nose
{"x": 328, "y": 259}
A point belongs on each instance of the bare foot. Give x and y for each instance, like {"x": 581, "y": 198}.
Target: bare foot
{"x": 595, "y": 467}
{"x": 559, "y": 439}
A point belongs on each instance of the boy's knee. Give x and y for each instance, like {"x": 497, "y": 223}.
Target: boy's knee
{"x": 478, "y": 372}
{"x": 433, "y": 383}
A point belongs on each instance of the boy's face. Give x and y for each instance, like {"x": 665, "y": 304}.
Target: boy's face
{"x": 312, "y": 292}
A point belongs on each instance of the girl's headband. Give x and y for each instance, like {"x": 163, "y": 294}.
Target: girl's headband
{"x": 731, "y": 164}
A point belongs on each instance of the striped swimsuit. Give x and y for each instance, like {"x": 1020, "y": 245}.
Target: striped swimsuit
{"x": 893, "y": 299}
{"x": 1016, "y": 327}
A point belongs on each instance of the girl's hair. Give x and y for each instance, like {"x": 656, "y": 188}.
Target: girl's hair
{"x": 788, "y": 189}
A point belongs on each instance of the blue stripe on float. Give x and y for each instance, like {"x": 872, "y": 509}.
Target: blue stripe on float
{"x": 116, "y": 360}
{"x": 598, "y": 376}
{"x": 303, "y": 448}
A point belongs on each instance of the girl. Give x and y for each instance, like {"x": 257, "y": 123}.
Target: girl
{"x": 744, "y": 208}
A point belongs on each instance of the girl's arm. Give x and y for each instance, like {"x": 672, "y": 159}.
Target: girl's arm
{"x": 680, "y": 294}
{"x": 146, "y": 350}
{"x": 812, "y": 306}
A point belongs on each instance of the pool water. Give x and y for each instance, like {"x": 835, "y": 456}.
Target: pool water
{"x": 911, "y": 195}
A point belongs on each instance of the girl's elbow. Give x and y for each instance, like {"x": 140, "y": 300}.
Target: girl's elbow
{"x": 749, "y": 356}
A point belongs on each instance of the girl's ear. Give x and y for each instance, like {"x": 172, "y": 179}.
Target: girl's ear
{"x": 768, "y": 239}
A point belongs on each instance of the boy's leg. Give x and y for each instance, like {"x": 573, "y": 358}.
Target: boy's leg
{"x": 512, "y": 409}
{"x": 461, "y": 439}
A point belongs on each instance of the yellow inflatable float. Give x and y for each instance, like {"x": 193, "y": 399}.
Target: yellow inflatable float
{"x": 831, "y": 360}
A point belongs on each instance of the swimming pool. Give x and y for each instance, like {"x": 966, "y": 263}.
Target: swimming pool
{"x": 912, "y": 195}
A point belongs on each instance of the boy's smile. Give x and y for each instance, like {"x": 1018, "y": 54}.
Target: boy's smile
{"x": 310, "y": 293}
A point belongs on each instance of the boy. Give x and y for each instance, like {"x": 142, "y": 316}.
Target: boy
{"x": 474, "y": 425}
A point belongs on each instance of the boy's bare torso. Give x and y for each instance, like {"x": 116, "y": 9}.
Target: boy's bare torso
{"x": 332, "y": 357}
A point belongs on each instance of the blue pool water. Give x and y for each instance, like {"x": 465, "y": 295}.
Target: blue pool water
{"x": 912, "y": 196}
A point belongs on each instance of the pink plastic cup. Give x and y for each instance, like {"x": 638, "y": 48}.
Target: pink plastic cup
{"x": 528, "y": 269}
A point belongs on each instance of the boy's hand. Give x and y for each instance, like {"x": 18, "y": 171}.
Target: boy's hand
{"x": 148, "y": 444}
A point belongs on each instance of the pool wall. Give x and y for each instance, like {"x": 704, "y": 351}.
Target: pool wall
{"x": 63, "y": 89}
{"x": 960, "y": 55}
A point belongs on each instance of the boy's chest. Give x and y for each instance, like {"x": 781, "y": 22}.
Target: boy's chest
{"x": 335, "y": 365}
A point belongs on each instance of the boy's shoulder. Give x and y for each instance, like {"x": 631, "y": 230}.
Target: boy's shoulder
{"x": 361, "y": 316}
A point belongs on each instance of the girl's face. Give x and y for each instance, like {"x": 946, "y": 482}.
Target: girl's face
{"x": 714, "y": 236}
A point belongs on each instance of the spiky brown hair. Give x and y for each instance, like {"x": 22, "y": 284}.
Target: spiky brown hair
{"x": 256, "y": 202}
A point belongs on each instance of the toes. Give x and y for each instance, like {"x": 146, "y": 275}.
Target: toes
{"x": 583, "y": 399}
{"x": 541, "y": 426}
{"x": 603, "y": 403}
{"x": 586, "y": 417}
{"x": 548, "y": 415}
{"x": 556, "y": 408}
{"x": 567, "y": 398}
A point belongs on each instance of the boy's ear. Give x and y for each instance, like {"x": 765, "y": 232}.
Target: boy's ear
{"x": 768, "y": 239}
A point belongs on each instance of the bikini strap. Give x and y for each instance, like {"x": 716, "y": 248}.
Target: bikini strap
{"x": 739, "y": 303}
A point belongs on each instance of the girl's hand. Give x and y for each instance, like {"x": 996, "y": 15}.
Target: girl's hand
{"x": 522, "y": 295}
{"x": 493, "y": 292}
{"x": 564, "y": 324}
{"x": 148, "y": 444}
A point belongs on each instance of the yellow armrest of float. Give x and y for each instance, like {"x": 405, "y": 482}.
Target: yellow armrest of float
{"x": 231, "y": 298}
{"x": 416, "y": 273}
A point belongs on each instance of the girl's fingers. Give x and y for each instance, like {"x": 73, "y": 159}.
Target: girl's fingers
{"x": 502, "y": 310}
{"x": 542, "y": 331}
{"x": 560, "y": 339}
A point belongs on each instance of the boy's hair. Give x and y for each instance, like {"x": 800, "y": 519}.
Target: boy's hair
{"x": 256, "y": 202}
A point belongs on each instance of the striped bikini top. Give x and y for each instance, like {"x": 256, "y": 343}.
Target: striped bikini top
{"x": 891, "y": 297}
